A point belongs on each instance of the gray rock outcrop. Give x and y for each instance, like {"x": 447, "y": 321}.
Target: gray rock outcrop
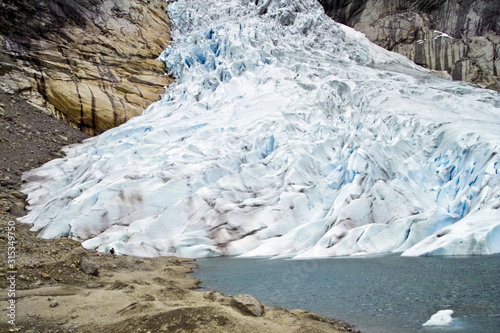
{"x": 461, "y": 37}
{"x": 91, "y": 63}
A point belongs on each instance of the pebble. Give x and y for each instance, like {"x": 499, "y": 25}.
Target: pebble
{"x": 54, "y": 304}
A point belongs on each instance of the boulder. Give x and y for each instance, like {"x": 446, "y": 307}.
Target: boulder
{"x": 247, "y": 305}
{"x": 89, "y": 267}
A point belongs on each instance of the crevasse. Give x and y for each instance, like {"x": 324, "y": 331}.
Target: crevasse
{"x": 285, "y": 135}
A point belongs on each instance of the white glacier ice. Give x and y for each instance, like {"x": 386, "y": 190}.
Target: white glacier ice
{"x": 440, "y": 318}
{"x": 285, "y": 134}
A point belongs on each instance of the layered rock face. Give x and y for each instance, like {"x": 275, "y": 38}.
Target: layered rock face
{"x": 461, "y": 37}
{"x": 91, "y": 63}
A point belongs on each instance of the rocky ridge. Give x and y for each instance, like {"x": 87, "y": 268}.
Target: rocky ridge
{"x": 91, "y": 63}
{"x": 461, "y": 38}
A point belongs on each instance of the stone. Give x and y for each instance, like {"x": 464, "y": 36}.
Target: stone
{"x": 89, "y": 267}
{"x": 19, "y": 195}
{"x": 17, "y": 209}
{"x": 94, "y": 285}
{"x": 8, "y": 183}
{"x": 247, "y": 305}
{"x": 53, "y": 304}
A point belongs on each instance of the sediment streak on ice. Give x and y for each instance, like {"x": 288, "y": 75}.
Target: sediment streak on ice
{"x": 285, "y": 134}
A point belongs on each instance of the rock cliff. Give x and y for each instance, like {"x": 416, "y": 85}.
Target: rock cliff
{"x": 91, "y": 63}
{"x": 460, "y": 37}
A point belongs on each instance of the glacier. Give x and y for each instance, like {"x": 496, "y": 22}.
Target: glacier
{"x": 285, "y": 134}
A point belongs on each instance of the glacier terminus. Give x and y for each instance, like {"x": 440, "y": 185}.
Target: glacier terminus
{"x": 285, "y": 134}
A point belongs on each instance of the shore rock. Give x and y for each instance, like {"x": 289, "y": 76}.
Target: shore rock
{"x": 91, "y": 63}
{"x": 89, "y": 267}
{"x": 461, "y": 37}
{"x": 247, "y": 305}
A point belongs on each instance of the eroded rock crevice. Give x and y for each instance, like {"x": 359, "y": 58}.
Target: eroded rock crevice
{"x": 91, "y": 63}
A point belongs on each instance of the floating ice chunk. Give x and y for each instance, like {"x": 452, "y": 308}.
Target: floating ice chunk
{"x": 440, "y": 318}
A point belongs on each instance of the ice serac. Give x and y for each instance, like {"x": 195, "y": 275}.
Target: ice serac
{"x": 285, "y": 134}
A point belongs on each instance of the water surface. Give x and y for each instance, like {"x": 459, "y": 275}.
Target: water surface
{"x": 377, "y": 294}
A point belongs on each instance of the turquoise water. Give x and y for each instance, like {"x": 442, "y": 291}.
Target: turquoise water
{"x": 377, "y": 294}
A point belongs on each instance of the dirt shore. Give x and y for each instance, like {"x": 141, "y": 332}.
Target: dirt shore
{"x": 60, "y": 287}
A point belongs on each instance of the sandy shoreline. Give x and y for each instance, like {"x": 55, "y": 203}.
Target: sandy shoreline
{"x": 60, "y": 287}
{"x": 133, "y": 295}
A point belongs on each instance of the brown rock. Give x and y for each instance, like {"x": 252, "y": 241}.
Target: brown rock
{"x": 247, "y": 305}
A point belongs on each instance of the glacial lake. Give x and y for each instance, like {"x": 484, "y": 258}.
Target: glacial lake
{"x": 381, "y": 294}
